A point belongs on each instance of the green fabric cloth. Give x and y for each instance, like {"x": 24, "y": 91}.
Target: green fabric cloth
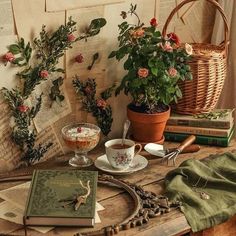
{"x": 218, "y": 180}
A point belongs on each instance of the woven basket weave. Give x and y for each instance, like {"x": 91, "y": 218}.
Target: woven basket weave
{"x": 208, "y": 67}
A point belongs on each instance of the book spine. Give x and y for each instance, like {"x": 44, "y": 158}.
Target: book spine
{"x": 200, "y": 123}
{"x": 197, "y": 131}
{"x": 205, "y": 140}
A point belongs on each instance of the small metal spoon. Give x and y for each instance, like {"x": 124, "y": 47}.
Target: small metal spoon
{"x": 125, "y": 130}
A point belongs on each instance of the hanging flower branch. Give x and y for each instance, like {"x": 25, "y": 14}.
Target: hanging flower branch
{"x": 98, "y": 106}
{"x": 49, "y": 48}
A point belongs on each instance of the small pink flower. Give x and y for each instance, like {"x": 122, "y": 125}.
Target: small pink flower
{"x": 44, "y": 74}
{"x": 143, "y": 72}
{"x": 9, "y": 57}
{"x": 101, "y": 103}
{"x": 153, "y": 22}
{"x": 23, "y": 108}
{"x": 79, "y": 58}
{"x": 172, "y": 72}
{"x": 71, "y": 37}
{"x": 167, "y": 47}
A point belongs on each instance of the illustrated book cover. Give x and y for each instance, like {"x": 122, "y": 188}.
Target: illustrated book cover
{"x": 224, "y": 122}
{"x": 52, "y": 198}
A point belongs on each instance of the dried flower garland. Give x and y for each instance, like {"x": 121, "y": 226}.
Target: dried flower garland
{"x": 49, "y": 48}
{"x": 99, "y": 107}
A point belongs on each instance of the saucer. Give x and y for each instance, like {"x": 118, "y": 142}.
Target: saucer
{"x": 139, "y": 162}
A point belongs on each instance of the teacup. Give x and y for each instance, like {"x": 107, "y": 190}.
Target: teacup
{"x": 120, "y": 156}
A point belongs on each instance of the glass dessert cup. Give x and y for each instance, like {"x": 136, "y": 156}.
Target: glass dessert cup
{"x": 81, "y": 138}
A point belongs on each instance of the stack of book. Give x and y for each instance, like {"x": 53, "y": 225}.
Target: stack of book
{"x": 210, "y": 130}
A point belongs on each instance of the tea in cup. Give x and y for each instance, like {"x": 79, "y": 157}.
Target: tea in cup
{"x": 119, "y": 155}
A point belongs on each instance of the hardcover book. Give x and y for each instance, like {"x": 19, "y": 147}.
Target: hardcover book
{"x": 200, "y": 139}
{"x": 188, "y": 120}
{"x": 51, "y": 195}
{"x": 199, "y": 130}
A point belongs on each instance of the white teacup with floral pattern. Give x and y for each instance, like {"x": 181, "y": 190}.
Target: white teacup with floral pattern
{"x": 120, "y": 157}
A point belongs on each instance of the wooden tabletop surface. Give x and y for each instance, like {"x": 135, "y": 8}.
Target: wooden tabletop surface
{"x": 118, "y": 205}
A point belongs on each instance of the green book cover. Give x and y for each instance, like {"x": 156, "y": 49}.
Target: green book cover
{"x": 200, "y": 139}
{"x": 50, "y": 187}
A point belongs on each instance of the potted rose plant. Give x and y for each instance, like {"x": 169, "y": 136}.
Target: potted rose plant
{"x": 154, "y": 65}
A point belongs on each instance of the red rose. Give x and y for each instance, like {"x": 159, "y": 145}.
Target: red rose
{"x": 79, "y": 58}
{"x": 79, "y": 129}
{"x": 23, "y": 108}
{"x": 153, "y": 22}
{"x": 71, "y": 37}
{"x": 143, "y": 72}
{"x": 44, "y": 74}
{"x": 101, "y": 103}
{"x": 174, "y": 38}
{"x": 9, "y": 57}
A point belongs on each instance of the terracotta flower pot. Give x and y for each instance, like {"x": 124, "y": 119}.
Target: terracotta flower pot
{"x": 148, "y": 127}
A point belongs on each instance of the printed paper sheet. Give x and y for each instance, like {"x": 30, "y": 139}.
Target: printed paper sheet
{"x": 62, "y": 5}
{"x": 7, "y": 73}
{"x": 9, "y": 152}
{"x": 30, "y": 16}
{"x": 50, "y": 111}
{"x": 46, "y": 136}
{"x": 6, "y": 18}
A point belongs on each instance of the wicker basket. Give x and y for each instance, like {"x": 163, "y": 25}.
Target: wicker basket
{"x": 208, "y": 66}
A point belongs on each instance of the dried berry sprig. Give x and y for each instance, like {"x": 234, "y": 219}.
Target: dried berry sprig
{"x": 98, "y": 106}
{"x": 213, "y": 115}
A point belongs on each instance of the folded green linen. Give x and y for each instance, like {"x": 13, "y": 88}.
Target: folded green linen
{"x": 216, "y": 177}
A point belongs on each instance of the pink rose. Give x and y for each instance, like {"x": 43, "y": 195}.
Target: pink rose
{"x": 44, "y": 74}
{"x": 138, "y": 33}
{"x": 79, "y": 58}
{"x": 172, "y": 72}
{"x": 101, "y": 103}
{"x": 153, "y": 22}
{"x": 71, "y": 37}
{"x": 23, "y": 108}
{"x": 9, "y": 57}
{"x": 143, "y": 72}
{"x": 167, "y": 47}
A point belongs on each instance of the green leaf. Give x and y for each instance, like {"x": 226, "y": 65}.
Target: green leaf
{"x": 154, "y": 71}
{"x": 14, "y": 48}
{"x": 112, "y": 54}
{"x": 97, "y": 23}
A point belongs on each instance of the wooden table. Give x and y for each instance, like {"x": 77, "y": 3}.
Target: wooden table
{"x": 118, "y": 205}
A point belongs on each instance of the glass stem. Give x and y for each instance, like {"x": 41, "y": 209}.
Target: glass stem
{"x": 82, "y": 157}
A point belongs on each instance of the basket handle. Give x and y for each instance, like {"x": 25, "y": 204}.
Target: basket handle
{"x": 219, "y": 8}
